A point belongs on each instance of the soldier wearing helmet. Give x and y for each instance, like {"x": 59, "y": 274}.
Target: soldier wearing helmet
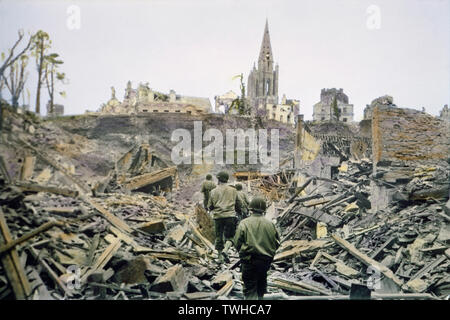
{"x": 207, "y": 186}
{"x": 223, "y": 203}
{"x": 243, "y": 212}
{"x": 256, "y": 240}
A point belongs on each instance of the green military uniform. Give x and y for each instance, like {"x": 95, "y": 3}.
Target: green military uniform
{"x": 257, "y": 240}
{"x": 207, "y": 186}
{"x": 223, "y": 202}
{"x": 243, "y": 213}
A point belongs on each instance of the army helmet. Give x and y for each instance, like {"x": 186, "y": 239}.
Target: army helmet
{"x": 238, "y": 186}
{"x": 258, "y": 205}
{"x": 208, "y": 177}
{"x": 222, "y": 176}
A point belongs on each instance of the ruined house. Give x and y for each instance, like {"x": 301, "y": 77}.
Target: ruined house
{"x": 223, "y": 102}
{"x": 323, "y": 110}
{"x": 445, "y": 113}
{"x": 146, "y": 100}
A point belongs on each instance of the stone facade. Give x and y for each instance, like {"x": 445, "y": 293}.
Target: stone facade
{"x": 223, "y": 102}
{"x": 145, "y": 100}
{"x": 323, "y": 110}
{"x": 445, "y": 113}
{"x": 285, "y": 112}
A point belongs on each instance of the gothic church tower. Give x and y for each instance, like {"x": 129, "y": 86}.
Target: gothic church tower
{"x": 262, "y": 85}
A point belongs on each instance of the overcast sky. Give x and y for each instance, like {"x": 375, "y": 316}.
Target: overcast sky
{"x": 368, "y": 48}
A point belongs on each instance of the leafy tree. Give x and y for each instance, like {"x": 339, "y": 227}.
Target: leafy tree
{"x": 239, "y": 103}
{"x": 51, "y": 72}
{"x": 336, "y": 111}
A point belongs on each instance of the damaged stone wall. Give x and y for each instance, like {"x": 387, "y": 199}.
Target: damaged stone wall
{"x": 408, "y": 135}
{"x": 407, "y": 144}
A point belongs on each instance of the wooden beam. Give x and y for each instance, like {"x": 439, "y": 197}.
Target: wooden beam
{"x": 319, "y": 215}
{"x": 115, "y": 221}
{"x": 197, "y": 233}
{"x": 29, "y": 235}
{"x": 302, "y": 187}
{"x": 50, "y": 271}
{"x": 104, "y": 258}
{"x": 149, "y": 178}
{"x": 40, "y": 188}
{"x": 429, "y": 267}
{"x": 386, "y": 244}
{"x": 11, "y": 263}
{"x": 367, "y": 260}
{"x": 26, "y": 171}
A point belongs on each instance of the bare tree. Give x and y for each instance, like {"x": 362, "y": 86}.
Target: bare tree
{"x": 10, "y": 59}
{"x": 17, "y": 79}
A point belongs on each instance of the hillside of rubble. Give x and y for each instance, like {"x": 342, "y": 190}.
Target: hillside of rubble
{"x": 91, "y": 207}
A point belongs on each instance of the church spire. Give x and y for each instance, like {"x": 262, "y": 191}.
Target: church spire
{"x": 265, "y": 54}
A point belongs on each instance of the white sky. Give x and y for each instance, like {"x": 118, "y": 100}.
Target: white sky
{"x": 196, "y": 46}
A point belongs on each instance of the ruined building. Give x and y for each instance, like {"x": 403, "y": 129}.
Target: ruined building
{"x": 323, "y": 110}
{"x": 223, "y": 102}
{"x": 262, "y": 87}
{"x": 58, "y": 110}
{"x": 445, "y": 113}
{"x": 385, "y": 100}
{"x": 144, "y": 99}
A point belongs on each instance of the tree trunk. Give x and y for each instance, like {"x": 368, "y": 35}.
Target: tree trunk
{"x": 38, "y": 93}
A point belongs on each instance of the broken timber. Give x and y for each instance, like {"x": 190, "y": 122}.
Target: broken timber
{"x": 319, "y": 215}
{"x": 367, "y": 260}
{"x": 29, "y": 235}
{"x": 39, "y": 188}
{"x": 11, "y": 263}
{"x": 150, "y": 178}
{"x": 104, "y": 258}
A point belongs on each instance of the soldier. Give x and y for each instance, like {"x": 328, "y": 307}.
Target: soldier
{"x": 223, "y": 202}
{"x": 243, "y": 213}
{"x": 207, "y": 186}
{"x": 257, "y": 240}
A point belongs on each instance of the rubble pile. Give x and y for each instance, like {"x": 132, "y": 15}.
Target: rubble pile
{"x": 333, "y": 239}
{"x": 346, "y": 223}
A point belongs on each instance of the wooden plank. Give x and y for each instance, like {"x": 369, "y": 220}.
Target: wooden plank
{"x": 24, "y": 186}
{"x": 293, "y": 285}
{"x": 386, "y": 244}
{"x": 115, "y": 221}
{"x": 429, "y": 267}
{"x": 197, "y": 233}
{"x": 149, "y": 178}
{"x": 367, "y": 260}
{"x": 302, "y": 187}
{"x": 316, "y": 202}
{"x": 57, "y": 166}
{"x": 322, "y": 216}
{"x": 92, "y": 248}
{"x": 11, "y": 262}
{"x": 49, "y": 271}
{"x": 4, "y": 171}
{"x": 26, "y": 171}
{"x": 104, "y": 258}
{"x": 226, "y": 289}
{"x": 29, "y": 235}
